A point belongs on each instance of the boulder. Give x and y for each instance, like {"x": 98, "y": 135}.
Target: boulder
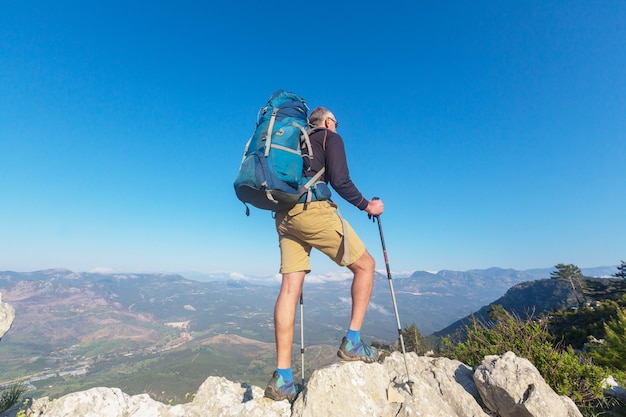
{"x": 512, "y": 387}
{"x": 219, "y": 397}
{"x": 614, "y": 390}
{"x": 100, "y": 402}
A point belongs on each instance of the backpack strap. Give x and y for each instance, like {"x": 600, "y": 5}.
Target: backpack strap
{"x": 307, "y": 186}
{"x": 270, "y": 128}
{"x": 304, "y": 140}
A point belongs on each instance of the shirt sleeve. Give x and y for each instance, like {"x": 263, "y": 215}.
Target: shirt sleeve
{"x": 338, "y": 175}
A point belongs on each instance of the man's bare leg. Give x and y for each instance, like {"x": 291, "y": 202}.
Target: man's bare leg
{"x": 362, "y": 286}
{"x": 282, "y": 386}
{"x": 352, "y": 347}
{"x": 285, "y": 316}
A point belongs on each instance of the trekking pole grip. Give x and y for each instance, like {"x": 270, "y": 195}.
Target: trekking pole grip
{"x": 376, "y": 217}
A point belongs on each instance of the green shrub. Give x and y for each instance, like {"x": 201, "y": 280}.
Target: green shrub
{"x": 574, "y": 327}
{"x": 613, "y": 351}
{"x": 568, "y": 373}
{"x": 10, "y": 395}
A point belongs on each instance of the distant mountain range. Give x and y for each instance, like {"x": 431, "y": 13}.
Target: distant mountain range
{"x": 536, "y": 273}
{"x": 431, "y": 300}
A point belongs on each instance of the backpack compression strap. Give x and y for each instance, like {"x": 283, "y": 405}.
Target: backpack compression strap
{"x": 304, "y": 140}
{"x": 270, "y": 128}
{"x": 306, "y": 188}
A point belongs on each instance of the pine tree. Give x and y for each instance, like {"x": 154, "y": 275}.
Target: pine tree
{"x": 574, "y": 275}
{"x": 621, "y": 271}
{"x": 570, "y": 272}
{"x": 413, "y": 340}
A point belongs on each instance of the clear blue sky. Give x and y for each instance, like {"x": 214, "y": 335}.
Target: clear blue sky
{"x": 495, "y": 132}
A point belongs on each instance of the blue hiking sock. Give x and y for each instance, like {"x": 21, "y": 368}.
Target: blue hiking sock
{"x": 286, "y": 374}
{"x": 354, "y": 336}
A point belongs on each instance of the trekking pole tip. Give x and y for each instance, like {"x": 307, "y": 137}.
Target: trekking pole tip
{"x": 409, "y": 384}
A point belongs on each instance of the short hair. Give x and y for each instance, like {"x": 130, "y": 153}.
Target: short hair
{"x": 318, "y": 115}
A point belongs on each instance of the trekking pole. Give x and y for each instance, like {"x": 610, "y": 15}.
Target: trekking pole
{"x": 393, "y": 299}
{"x": 302, "y": 334}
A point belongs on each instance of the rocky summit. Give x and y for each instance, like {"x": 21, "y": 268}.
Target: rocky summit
{"x": 504, "y": 386}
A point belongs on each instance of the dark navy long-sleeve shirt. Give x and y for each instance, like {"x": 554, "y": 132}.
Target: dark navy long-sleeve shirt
{"x": 328, "y": 151}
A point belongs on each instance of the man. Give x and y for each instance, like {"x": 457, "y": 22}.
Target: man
{"x": 317, "y": 225}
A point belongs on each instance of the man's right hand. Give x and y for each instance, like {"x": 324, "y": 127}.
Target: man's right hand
{"x": 375, "y": 207}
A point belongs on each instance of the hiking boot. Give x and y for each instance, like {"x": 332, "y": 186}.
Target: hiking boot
{"x": 359, "y": 352}
{"x": 278, "y": 390}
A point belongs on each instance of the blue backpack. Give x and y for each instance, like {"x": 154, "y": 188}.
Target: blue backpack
{"x": 270, "y": 174}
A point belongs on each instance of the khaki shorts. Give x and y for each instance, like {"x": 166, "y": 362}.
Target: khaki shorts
{"x": 320, "y": 227}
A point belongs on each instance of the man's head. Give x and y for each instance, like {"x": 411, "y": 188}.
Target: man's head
{"x": 322, "y": 117}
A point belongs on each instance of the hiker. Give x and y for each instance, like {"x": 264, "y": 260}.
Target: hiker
{"x": 317, "y": 224}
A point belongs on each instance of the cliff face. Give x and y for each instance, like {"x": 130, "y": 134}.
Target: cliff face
{"x": 505, "y": 386}
{"x": 7, "y": 314}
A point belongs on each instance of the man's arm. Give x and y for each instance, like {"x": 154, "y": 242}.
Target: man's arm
{"x": 338, "y": 174}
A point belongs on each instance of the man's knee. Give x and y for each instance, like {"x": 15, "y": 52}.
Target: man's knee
{"x": 364, "y": 263}
{"x": 292, "y": 283}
